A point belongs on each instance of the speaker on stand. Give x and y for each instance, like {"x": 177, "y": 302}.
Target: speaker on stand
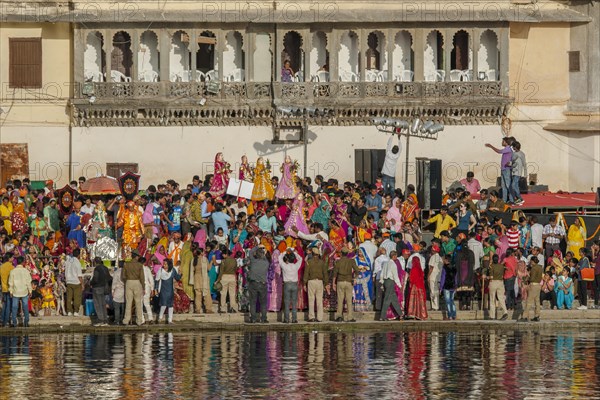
{"x": 429, "y": 183}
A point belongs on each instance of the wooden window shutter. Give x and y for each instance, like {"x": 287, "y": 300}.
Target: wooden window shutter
{"x": 574, "y": 65}
{"x": 25, "y": 63}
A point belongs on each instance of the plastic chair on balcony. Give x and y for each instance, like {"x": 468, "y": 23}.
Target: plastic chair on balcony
{"x": 348, "y": 76}
{"x": 431, "y": 76}
{"x": 148, "y": 76}
{"x": 212, "y": 75}
{"x": 467, "y": 75}
{"x": 118, "y": 76}
{"x": 200, "y": 76}
{"x": 371, "y": 75}
{"x": 382, "y": 76}
{"x": 238, "y": 75}
{"x": 93, "y": 76}
{"x": 491, "y": 75}
{"x": 298, "y": 76}
{"x": 406, "y": 75}
{"x": 322, "y": 76}
{"x": 441, "y": 75}
{"x": 455, "y": 75}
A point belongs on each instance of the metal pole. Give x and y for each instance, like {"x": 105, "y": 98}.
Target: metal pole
{"x": 406, "y": 163}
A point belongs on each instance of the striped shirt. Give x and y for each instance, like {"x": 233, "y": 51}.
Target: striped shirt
{"x": 513, "y": 238}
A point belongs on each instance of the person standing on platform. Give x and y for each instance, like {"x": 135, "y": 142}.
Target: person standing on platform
{"x": 258, "y": 269}
{"x": 343, "y": 278}
{"x": 388, "y": 171}
{"x": 315, "y": 273}
{"x": 133, "y": 277}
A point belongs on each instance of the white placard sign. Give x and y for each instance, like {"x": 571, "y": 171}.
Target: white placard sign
{"x": 240, "y": 188}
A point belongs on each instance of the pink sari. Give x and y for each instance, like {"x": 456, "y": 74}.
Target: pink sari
{"x": 221, "y": 178}
{"x": 394, "y": 213}
{"x": 296, "y": 219}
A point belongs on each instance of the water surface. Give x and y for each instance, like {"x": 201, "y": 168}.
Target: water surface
{"x": 298, "y": 365}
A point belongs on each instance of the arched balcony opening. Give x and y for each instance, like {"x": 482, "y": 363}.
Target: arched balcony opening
{"x": 234, "y": 58}
{"x": 121, "y": 57}
{"x": 148, "y": 58}
{"x": 319, "y": 58}
{"x": 292, "y": 58}
{"x": 206, "y": 58}
{"x": 488, "y": 56}
{"x": 433, "y": 59}
{"x": 376, "y": 58}
{"x": 403, "y": 57}
{"x": 263, "y": 58}
{"x": 349, "y": 57}
{"x": 461, "y": 60}
{"x": 180, "y": 57}
{"x": 94, "y": 58}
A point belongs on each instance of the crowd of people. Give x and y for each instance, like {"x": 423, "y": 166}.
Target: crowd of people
{"x": 294, "y": 245}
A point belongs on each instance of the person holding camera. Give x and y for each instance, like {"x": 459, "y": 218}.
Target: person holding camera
{"x": 533, "y": 290}
{"x": 343, "y": 283}
{"x": 290, "y": 263}
{"x": 257, "y": 283}
{"x": 315, "y": 274}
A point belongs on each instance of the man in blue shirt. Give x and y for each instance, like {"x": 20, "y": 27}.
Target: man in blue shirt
{"x": 220, "y": 219}
{"x": 374, "y": 203}
{"x": 268, "y": 222}
{"x": 175, "y": 215}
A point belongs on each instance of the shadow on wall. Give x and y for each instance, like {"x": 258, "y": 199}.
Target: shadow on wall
{"x": 267, "y": 148}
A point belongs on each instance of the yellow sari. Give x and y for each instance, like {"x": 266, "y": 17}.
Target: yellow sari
{"x": 576, "y": 237}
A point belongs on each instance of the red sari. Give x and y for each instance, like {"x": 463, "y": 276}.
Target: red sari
{"x": 221, "y": 177}
{"x": 417, "y": 302}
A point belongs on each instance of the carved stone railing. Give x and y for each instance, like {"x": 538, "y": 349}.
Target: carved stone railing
{"x": 255, "y": 103}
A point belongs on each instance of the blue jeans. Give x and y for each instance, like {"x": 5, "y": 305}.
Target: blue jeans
{"x": 290, "y": 297}
{"x": 389, "y": 184}
{"x": 509, "y": 287}
{"x": 505, "y": 180}
{"x": 15, "y": 309}
{"x": 6, "y": 307}
{"x": 450, "y": 306}
{"x": 515, "y": 193}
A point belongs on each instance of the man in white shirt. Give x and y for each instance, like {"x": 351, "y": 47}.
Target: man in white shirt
{"x": 537, "y": 230}
{"x": 239, "y": 207}
{"x": 537, "y": 252}
{"x": 149, "y": 283}
{"x": 319, "y": 234}
{"x": 88, "y": 207}
{"x": 388, "y": 244}
{"x": 74, "y": 281}
{"x": 380, "y": 261}
{"x": 477, "y": 248}
{"x": 19, "y": 287}
{"x": 435, "y": 275}
{"x": 389, "y": 278}
{"x": 388, "y": 172}
{"x": 290, "y": 262}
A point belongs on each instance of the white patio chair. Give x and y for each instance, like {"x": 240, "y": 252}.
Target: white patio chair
{"x": 212, "y": 75}
{"x": 238, "y": 75}
{"x": 200, "y": 76}
{"x": 467, "y": 75}
{"x": 298, "y": 76}
{"x": 441, "y": 75}
{"x": 323, "y": 76}
{"x": 148, "y": 76}
{"x": 431, "y": 76}
{"x": 175, "y": 77}
{"x": 455, "y": 75}
{"x": 382, "y": 76}
{"x": 492, "y": 75}
{"x": 407, "y": 76}
{"x": 371, "y": 75}
{"x": 118, "y": 76}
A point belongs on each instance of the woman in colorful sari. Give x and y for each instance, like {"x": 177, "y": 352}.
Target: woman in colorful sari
{"x": 410, "y": 208}
{"x": 337, "y": 237}
{"x": 18, "y": 217}
{"x": 245, "y": 173}
{"x": 576, "y": 236}
{"x": 263, "y": 188}
{"x": 340, "y": 210}
{"x": 237, "y": 235}
{"x": 363, "y": 290}
{"x": 564, "y": 290}
{"x": 159, "y": 257}
{"x": 394, "y": 216}
{"x": 391, "y": 314}
{"x": 296, "y": 219}
{"x": 221, "y": 177}
{"x": 323, "y": 211}
{"x": 275, "y": 281}
{"x": 287, "y": 187}
{"x": 252, "y": 226}
{"x": 465, "y": 274}
{"x": 417, "y": 307}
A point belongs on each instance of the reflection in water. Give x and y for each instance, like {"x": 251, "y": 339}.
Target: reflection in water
{"x": 409, "y": 365}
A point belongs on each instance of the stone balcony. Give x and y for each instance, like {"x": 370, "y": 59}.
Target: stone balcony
{"x": 256, "y": 103}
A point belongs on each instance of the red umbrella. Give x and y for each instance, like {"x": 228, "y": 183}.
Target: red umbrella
{"x": 100, "y": 185}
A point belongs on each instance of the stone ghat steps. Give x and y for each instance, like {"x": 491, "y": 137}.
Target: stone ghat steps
{"x": 361, "y": 317}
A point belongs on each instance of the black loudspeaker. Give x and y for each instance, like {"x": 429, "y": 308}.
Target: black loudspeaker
{"x": 368, "y": 164}
{"x": 429, "y": 183}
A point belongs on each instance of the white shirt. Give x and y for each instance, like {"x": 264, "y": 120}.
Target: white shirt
{"x": 389, "y": 246}
{"x": 379, "y": 263}
{"x": 88, "y": 209}
{"x": 236, "y": 209}
{"x": 391, "y": 159}
{"x": 537, "y": 235}
{"x": 73, "y": 271}
{"x": 436, "y": 264}
{"x": 390, "y": 271}
{"x": 477, "y": 248}
{"x": 290, "y": 271}
{"x": 148, "y": 280}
